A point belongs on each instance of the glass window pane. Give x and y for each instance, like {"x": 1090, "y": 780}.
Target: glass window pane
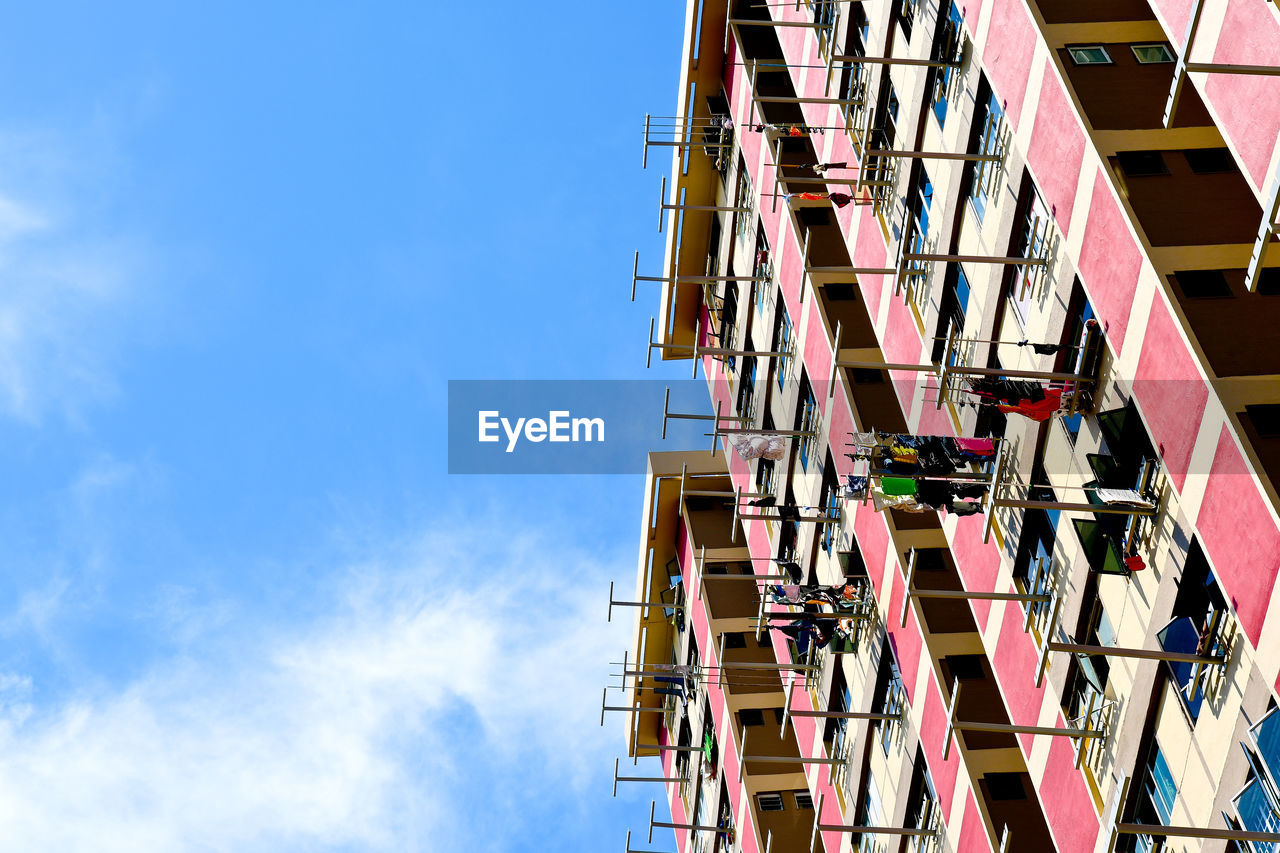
{"x": 1093, "y": 54}
{"x": 1150, "y": 53}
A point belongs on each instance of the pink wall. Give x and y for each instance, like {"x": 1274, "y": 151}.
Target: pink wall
{"x": 1057, "y": 148}
{"x": 973, "y": 834}
{"x": 1171, "y": 392}
{"x": 1247, "y": 105}
{"x": 1109, "y": 263}
{"x": 1007, "y": 59}
{"x": 933, "y": 726}
{"x": 977, "y": 562}
{"x": 1240, "y": 535}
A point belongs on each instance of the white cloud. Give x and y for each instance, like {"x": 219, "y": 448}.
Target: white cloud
{"x": 67, "y": 274}
{"x": 339, "y": 733}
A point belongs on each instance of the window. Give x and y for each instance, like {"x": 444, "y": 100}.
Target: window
{"x": 831, "y": 504}
{"x": 1161, "y": 788}
{"x": 987, "y": 124}
{"x": 1268, "y": 282}
{"x": 734, "y": 640}
{"x": 804, "y": 800}
{"x": 871, "y": 815}
{"x": 1149, "y": 54}
{"x": 729, "y": 322}
{"x": 762, "y": 267}
{"x": 955, "y": 302}
{"x": 1265, "y": 418}
{"x": 1196, "y": 610}
{"x": 808, "y": 417}
{"x": 1202, "y": 284}
{"x": 1089, "y": 54}
{"x": 1210, "y": 161}
{"x": 1078, "y": 360}
{"x": 906, "y": 10}
{"x": 1005, "y": 786}
{"x": 946, "y": 47}
{"x": 747, "y": 389}
{"x": 783, "y": 340}
{"x": 920, "y": 204}
{"x": 1142, "y": 164}
{"x": 769, "y": 802}
{"x": 1032, "y": 243}
{"x": 1258, "y": 803}
{"x": 746, "y": 197}
{"x": 751, "y": 717}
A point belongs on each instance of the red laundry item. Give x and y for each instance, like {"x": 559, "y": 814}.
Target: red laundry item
{"x": 1134, "y": 563}
{"x": 811, "y": 196}
{"x": 840, "y": 199}
{"x": 796, "y": 131}
{"x": 1038, "y": 411}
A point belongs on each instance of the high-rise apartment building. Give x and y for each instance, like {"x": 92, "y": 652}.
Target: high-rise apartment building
{"x": 987, "y": 297}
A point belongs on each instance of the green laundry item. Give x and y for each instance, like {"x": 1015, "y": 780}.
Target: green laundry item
{"x": 898, "y": 485}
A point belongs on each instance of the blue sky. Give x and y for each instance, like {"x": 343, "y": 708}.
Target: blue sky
{"x": 242, "y": 250}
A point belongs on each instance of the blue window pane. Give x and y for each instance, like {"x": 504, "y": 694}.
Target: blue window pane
{"x": 962, "y": 290}
{"x": 1257, "y": 815}
{"x": 1181, "y": 635}
{"x": 986, "y": 145}
{"x": 1163, "y": 790}
{"x": 945, "y": 75}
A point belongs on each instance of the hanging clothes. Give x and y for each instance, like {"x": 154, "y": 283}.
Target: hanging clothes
{"x": 1124, "y": 497}
{"x": 934, "y": 458}
{"x": 763, "y": 502}
{"x": 805, "y": 196}
{"x": 854, "y": 487}
{"x": 906, "y": 503}
{"x": 823, "y": 167}
{"x": 963, "y": 508}
{"x": 898, "y": 485}
{"x": 1042, "y": 349}
{"x": 978, "y": 448}
{"x": 1037, "y": 410}
{"x": 752, "y": 446}
{"x": 840, "y": 199}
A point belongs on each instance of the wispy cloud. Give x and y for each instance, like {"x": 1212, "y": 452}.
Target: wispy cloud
{"x": 68, "y": 273}
{"x": 341, "y": 733}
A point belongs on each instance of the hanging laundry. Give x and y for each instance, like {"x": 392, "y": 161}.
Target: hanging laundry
{"x": 864, "y": 439}
{"x": 791, "y": 569}
{"x": 763, "y": 502}
{"x": 981, "y": 448}
{"x": 823, "y": 167}
{"x": 840, "y": 199}
{"x": 753, "y": 446}
{"x": 906, "y": 503}
{"x": 805, "y": 196}
{"x": 854, "y": 487}
{"x": 1037, "y": 410}
{"x": 963, "y": 508}
{"x": 1042, "y": 349}
{"x": 1125, "y": 497}
{"x": 898, "y": 485}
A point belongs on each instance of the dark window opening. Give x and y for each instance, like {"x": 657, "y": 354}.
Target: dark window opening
{"x": 1142, "y": 164}
{"x": 1210, "y": 161}
{"x": 1005, "y": 786}
{"x": 1202, "y": 284}
{"x": 964, "y": 667}
{"x": 841, "y": 291}
{"x": 1265, "y": 418}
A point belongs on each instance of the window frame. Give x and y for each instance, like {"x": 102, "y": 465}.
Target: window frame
{"x": 1076, "y": 60}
